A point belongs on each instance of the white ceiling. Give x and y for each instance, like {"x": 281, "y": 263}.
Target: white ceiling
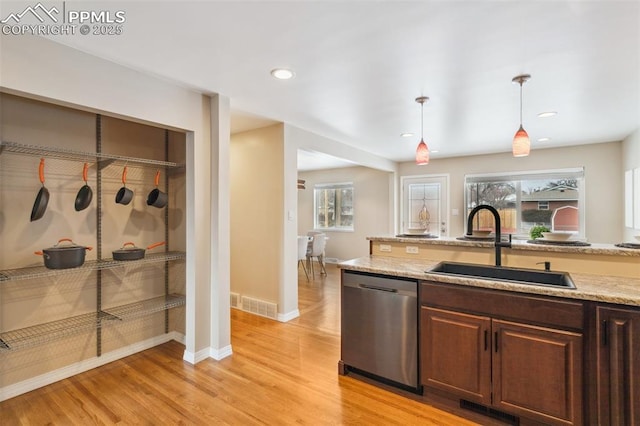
{"x": 359, "y": 66}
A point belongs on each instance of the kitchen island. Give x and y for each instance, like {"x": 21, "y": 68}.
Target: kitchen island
{"x": 529, "y": 353}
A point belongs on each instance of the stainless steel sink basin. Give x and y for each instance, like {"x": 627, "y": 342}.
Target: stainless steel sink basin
{"x": 516, "y": 275}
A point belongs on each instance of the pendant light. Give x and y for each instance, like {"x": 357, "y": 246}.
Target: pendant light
{"x": 521, "y": 144}
{"x": 422, "y": 152}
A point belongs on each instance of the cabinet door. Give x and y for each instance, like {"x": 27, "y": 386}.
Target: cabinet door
{"x": 618, "y": 366}
{"x": 455, "y": 353}
{"x": 537, "y": 372}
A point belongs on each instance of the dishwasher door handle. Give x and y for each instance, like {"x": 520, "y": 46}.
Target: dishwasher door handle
{"x": 373, "y": 287}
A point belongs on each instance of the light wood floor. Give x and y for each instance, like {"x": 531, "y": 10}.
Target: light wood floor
{"x": 279, "y": 374}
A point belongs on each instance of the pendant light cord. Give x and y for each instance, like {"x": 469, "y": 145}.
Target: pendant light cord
{"x": 520, "y": 103}
{"x": 422, "y": 120}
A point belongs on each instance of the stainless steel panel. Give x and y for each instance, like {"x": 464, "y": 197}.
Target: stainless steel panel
{"x": 379, "y": 326}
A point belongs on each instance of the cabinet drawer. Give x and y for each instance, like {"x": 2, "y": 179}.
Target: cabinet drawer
{"x": 504, "y": 304}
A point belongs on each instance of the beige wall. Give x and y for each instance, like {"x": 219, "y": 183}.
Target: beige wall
{"x": 257, "y": 209}
{"x": 630, "y": 160}
{"x": 372, "y": 198}
{"x": 42, "y": 300}
{"x": 39, "y": 68}
{"x": 602, "y": 163}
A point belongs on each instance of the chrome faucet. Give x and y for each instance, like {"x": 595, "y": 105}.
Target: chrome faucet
{"x": 496, "y": 217}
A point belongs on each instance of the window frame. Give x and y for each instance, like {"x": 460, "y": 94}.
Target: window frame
{"x": 517, "y": 177}
{"x": 337, "y": 205}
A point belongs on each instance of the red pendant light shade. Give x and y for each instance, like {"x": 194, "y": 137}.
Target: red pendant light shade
{"x": 422, "y": 152}
{"x": 521, "y": 144}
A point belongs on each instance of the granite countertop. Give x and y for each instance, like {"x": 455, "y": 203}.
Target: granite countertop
{"x": 619, "y": 290}
{"x": 594, "y": 248}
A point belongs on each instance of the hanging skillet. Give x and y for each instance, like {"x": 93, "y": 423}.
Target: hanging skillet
{"x": 85, "y": 194}
{"x": 42, "y": 199}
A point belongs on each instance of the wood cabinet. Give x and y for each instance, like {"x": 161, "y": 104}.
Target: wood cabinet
{"x": 618, "y": 366}
{"x": 479, "y": 349}
{"x": 454, "y": 355}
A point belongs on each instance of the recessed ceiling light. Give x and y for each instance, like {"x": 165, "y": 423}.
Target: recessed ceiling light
{"x": 406, "y": 135}
{"x": 547, "y": 114}
{"x": 544, "y": 139}
{"x": 282, "y": 73}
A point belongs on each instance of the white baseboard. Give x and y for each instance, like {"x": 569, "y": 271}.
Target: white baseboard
{"x": 202, "y": 354}
{"x": 289, "y": 316}
{"x": 219, "y": 354}
{"x": 28, "y": 385}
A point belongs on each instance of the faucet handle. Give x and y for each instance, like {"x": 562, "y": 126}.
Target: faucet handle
{"x": 547, "y": 265}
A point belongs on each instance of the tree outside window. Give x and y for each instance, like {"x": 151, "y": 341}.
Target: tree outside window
{"x": 553, "y": 198}
{"x": 333, "y": 206}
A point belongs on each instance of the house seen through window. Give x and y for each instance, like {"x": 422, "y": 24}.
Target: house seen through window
{"x": 333, "y": 206}
{"x": 551, "y": 198}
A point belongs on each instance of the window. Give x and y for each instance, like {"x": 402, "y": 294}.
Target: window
{"x": 552, "y": 198}
{"x": 333, "y": 206}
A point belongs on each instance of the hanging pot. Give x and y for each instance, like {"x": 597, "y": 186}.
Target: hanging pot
{"x": 124, "y": 195}
{"x": 156, "y": 197}
{"x": 42, "y": 199}
{"x": 85, "y": 194}
{"x": 63, "y": 256}
{"x": 129, "y": 251}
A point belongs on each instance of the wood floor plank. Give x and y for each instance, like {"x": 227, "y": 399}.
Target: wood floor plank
{"x": 279, "y": 374}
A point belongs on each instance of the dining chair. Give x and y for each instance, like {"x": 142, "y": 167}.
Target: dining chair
{"x": 317, "y": 251}
{"x": 303, "y": 240}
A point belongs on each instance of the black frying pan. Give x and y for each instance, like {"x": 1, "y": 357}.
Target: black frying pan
{"x": 42, "y": 199}
{"x": 85, "y": 194}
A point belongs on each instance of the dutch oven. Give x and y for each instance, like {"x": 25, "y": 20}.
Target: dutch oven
{"x": 63, "y": 256}
{"x": 129, "y": 251}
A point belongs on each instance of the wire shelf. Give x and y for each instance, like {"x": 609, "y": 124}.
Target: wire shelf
{"x": 48, "y": 332}
{"x": 146, "y": 307}
{"x": 33, "y": 272}
{"x": 70, "y": 154}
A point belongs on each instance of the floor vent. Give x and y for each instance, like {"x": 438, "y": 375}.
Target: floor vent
{"x": 490, "y": 412}
{"x": 235, "y": 300}
{"x": 260, "y": 307}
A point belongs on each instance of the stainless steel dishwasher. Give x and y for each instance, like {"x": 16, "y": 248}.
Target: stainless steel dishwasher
{"x": 379, "y": 325}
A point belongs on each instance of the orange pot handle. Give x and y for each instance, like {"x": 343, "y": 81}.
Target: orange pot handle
{"x": 157, "y": 178}
{"x": 41, "y": 171}
{"x": 84, "y": 172}
{"x": 39, "y": 253}
{"x": 128, "y": 243}
{"x": 124, "y": 175}
{"x": 65, "y": 239}
{"x": 152, "y": 246}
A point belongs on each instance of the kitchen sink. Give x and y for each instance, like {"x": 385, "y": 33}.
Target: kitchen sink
{"x": 516, "y": 275}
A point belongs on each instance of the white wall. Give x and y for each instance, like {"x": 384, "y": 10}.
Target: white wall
{"x": 39, "y": 68}
{"x": 630, "y": 161}
{"x": 602, "y": 163}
